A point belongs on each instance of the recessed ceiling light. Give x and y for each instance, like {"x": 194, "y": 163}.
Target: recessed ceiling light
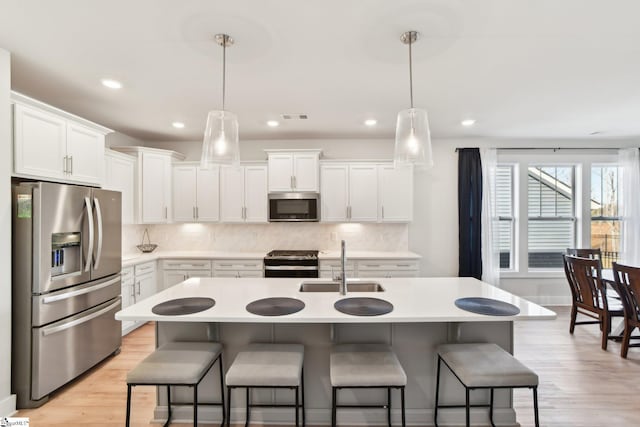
{"x": 111, "y": 84}
{"x": 468, "y": 122}
{"x": 370, "y": 122}
{"x": 177, "y": 125}
{"x": 273, "y": 123}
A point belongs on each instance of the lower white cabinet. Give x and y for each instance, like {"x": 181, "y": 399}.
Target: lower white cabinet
{"x": 175, "y": 271}
{"x": 238, "y": 268}
{"x": 371, "y": 268}
{"x": 138, "y": 283}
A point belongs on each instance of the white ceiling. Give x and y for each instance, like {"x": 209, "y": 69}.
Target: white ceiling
{"x": 522, "y": 68}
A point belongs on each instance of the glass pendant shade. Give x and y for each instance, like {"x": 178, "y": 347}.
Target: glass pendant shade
{"x": 220, "y": 144}
{"x": 413, "y": 139}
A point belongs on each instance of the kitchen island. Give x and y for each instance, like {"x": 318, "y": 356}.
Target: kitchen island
{"x": 423, "y": 317}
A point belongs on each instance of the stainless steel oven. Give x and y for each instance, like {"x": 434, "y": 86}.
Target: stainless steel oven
{"x": 294, "y": 207}
{"x": 291, "y": 264}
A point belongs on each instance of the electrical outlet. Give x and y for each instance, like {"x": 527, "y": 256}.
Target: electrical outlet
{"x": 334, "y": 236}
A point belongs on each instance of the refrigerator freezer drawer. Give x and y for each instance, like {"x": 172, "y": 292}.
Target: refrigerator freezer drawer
{"x": 65, "y": 349}
{"x": 60, "y": 304}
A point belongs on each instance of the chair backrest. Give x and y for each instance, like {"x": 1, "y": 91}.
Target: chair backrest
{"x": 585, "y": 253}
{"x": 587, "y": 277}
{"x": 575, "y": 293}
{"x": 628, "y": 282}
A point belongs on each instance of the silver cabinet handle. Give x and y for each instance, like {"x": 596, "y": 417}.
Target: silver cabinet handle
{"x": 99, "y": 220}
{"x": 65, "y": 326}
{"x": 67, "y": 295}
{"x": 197, "y": 212}
{"x": 138, "y": 287}
{"x": 87, "y": 204}
{"x": 71, "y": 163}
{"x": 165, "y": 213}
{"x": 295, "y": 182}
{"x": 383, "y": 212}
{"x": 291, "y": 181}
{"x": 193, "y": 212}
{"x": 64, "y": 165}
{"x": 133, "y": 291}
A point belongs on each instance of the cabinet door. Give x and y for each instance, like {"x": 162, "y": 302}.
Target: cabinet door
{"x": 40, "y": 143}
{"x": 146, "y": 286}
{"x": 85, "y": 149}
{"x": 334, "y": 193}
{"x": 232, "y": 194}
{"x": 184, "y": 193}
{"x": 255, "y": 193}
{"x": 305, "y": 172}
{"x": 120, "y": 175}
{"x": 173, "y": 277}
{"x": 250, "y": 273}
{"x": 396, "y": 193}
{"x": 280, "y": 172}
{"x": 128, "y": 298}
{"x": 208, "y": 194}
{"x": 155, "y": 207}
{"x": 363, "y": 193}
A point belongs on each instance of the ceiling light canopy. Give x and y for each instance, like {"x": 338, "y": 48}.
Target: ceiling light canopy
{"x": 413, "y": 137}
{"x": 111, "y": 84}
{"x": 468, "y": 122}
{"x": 220, "y": 144}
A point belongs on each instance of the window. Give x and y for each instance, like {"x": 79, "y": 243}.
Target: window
{"x": 605, "y": 220}
{"x": 551, "y": 222}
{"x": 504, "y": 211}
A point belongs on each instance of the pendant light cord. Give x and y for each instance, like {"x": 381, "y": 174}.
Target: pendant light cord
{"x": 410, "y": 70}
{"x": 224, "y": 67}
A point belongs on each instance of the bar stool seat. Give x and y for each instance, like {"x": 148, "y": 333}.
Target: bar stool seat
{"x": 484, "y": 366}
{"x": 366, "y": 366}
{"x": 268, "y": 366}
{"x": 177, "y": 364}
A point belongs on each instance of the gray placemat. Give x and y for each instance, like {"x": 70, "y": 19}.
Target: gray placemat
{"x": 276, "y": 306}
{"x": 180, "y": 306}
{"x": 363, "y": 306}
{"x": 488, "y": 306}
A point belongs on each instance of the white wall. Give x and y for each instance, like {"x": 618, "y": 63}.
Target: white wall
{"x": 116, "y": 139}
{"x": 7, "y": 400}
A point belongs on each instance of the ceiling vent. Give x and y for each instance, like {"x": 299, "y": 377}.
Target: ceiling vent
{"x": 294, "y": 116}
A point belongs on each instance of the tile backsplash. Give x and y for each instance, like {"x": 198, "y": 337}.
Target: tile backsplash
{"x": 265, "y": 237}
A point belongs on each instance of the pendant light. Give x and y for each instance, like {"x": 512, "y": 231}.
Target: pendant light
{"x": 413, "y": 138}
{"x": 220, "y": 144}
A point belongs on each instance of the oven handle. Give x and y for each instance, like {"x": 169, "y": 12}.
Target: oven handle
{"x": 68, "y": 325}
{"x": 290, "y": 267}
{"x": 67, "y": 295}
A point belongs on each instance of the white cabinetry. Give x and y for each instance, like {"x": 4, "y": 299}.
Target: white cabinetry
{"x": 243, "y": 193}
{"x": 175, "y": 271}
{"x": 153, "y": 183}
{"x": 387, "y": 268}
{"x": 238, "y": 268}
{"x": 120, "y": 175}
{"x": 54, "y": 145}
{"x": 293, "y": 171}
{"x": 349, "y": 192}
{"x": 138, "y": 283}
{"x": 395, "y": 187}
{"x": 331, "y": 268}
{"x": 196, "y": 193}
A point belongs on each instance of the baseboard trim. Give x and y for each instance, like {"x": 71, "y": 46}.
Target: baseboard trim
{"x": 8, "y": 406}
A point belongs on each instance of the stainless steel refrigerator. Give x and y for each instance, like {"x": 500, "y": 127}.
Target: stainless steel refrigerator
{"x": 67, "y": 257}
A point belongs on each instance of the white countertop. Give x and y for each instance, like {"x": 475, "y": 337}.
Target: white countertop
{"x": 414, "y": 300}
{"x": 132, "y": 259}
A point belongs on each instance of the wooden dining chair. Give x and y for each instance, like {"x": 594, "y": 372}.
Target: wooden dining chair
{"x": 627, "y": 281}
{"x": 589, "y": 294}
{"x": 585, "y": 253}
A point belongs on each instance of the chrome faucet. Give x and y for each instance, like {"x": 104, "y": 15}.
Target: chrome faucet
{"x": 343, "y": 266}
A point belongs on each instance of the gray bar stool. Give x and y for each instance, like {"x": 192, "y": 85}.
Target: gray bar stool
{"x": 268, "y": 366}
{"x": 482, "y": 366}
{"x": 178, "y": 364}
{"x": 366, "y": 366}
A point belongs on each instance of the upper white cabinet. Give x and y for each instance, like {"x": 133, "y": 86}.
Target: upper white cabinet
{"x": 293, "y": 170}
{"x": 153, "y": 183}
{"x": 349, "y": 192}
{"x": 243, "y": 193}
{"x": 396, "y": 193}
{"x": 51, "y": 144}
{"x": 120, "y": 175}
{"x": 196, "y": 193}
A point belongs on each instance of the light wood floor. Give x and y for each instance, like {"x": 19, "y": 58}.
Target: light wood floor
{"x": 581, "y": 385}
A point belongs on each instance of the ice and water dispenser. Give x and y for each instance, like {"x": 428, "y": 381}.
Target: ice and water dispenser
{"x": 66, "y": 253}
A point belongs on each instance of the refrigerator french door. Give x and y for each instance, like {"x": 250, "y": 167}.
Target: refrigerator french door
{"x": 66, "y": 284}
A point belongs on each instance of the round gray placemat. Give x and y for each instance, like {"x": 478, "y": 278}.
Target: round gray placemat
{"x": 488, "y": 306}
{"x": 180, "y": 306}
{"x": 363, "y": 306}
{"x": 276, "y": 306}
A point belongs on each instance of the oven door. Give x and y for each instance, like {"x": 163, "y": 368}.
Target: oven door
{"x": 290, "y": 271}
{"x": 295, "y": 207}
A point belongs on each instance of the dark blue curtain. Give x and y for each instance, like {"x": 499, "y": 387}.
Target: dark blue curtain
{"x": 469, "y": 213}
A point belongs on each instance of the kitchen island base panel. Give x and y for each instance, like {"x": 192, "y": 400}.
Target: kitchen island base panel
{"x": 414, "y": 344}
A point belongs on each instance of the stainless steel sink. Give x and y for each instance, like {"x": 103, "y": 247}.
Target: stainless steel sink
{"x": 352, "y": 286}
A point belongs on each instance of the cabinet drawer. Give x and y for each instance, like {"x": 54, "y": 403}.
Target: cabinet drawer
{"x": 387, "y": 273}
{"x": 147, "y": 267}
{"x": 126, "y": 274}
{"x": 386, "y": 265}
{"x": 238, "y": 264}
{"x": 186, "y": 264}
{"x": 336, "y": 265}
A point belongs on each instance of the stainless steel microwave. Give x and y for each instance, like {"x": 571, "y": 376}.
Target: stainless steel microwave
{"x": 294, "y": 207}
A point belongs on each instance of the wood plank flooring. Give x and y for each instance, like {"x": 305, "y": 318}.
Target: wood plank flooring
{"x": 581, "y": 385}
